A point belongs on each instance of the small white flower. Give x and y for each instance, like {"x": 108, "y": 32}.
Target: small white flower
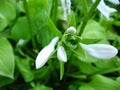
{"x": 66, "y": 5}
{"x": 102, "y": 51}
{"x": 61, "y": 54}
{"x": 114, "y": 1}
{"x": 104, "y": 9}
{"x": 71, "y": 30}
{"x": 45, "y": 53}
{"x": 20, "y": 42}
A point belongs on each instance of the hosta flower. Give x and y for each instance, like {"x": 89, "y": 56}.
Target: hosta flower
{"x": 71, "y": 30}
{"x": 66, "y": 5}
{"x": 45, "y": 53}
{"x": 61, "y": 54}
{"x": 104, "y": 9}
{"x": 114, "y": 1}
{"x": 102, "y": 51}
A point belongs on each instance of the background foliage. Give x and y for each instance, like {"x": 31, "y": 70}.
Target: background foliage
{"x": 37, "y": 22}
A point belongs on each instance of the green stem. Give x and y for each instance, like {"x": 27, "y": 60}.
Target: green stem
{"x": 84, "y": 6}
{"x": 88, "y": 15}
{"x": 94, "y": 7}
{"x": 29, "y": 23}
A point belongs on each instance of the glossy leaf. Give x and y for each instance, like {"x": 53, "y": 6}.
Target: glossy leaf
{"x": 21, "y": 30}
{"x": 93, "y": 30}
{"x": 7, "y": 63}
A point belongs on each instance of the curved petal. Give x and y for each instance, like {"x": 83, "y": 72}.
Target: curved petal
{"x": 102, "y": 51}
{"x": 45, "y": 53}
{"x": 61, "y": 54}
{"x": 104, "y": 9}
{"x": 71, "y": 30}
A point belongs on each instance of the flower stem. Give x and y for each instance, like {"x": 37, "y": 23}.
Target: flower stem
{"x": 87, "y": 15}
{"x": 29, "y": 23}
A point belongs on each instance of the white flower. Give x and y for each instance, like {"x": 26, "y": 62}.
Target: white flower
{"x": 20, "y": 42}
{"x": 61, "y": 54}
{"x": 66, "y": 5}
{"x": 114, "y": 1}
{"x": 104, "y": 9}
{"x": 45, "y": 53}
{"x": 71, "y": 30}
{"x": 102, "y": 51}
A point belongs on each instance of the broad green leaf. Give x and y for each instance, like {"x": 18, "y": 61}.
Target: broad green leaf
{"x": 7, "y": 63}
{"x": 3, "y": 22}
{"x": 100, "y": 82}
{"x": 93, "y": 30}
{"x": 7, "y": 8}
{"x": 24, "y": 68}
{"x": 48, "y": 32}
{"x": 21, "y": 29}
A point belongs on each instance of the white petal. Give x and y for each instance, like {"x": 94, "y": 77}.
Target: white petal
{"x": 68, "y": 2}
{"x": 104, "y": 9}
{"x": 20, "y": 42}
{"x": 102, "y": 51}
{"x": 45, "y": 53}
{"x": 115, "y": 1}
{"x": 66, "y": 5}
{"x": 71, "y": 30}
{"x": 61, "y": 54}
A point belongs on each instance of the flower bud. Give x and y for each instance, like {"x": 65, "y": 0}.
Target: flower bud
{"x": 20, "y": 42}
{"x": 61, "y": 54}
{"x": 71, "y": 30}
{"x": 45, "y": 53}
{"x": 102, "y": 51}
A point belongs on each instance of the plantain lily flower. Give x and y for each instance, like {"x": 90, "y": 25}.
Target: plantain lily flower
{"x": 61, "y": 54}
{"x": 101, "y": 51}
{"x": 104, "y": 9}
{"x": 45, "y": 53}
{"x": 114, "y": 1}
{"x": 66, "y": 5}
{"x": 71, "y": 30}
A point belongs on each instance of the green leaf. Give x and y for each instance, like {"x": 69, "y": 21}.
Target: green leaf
{"x": 41, "y": 87}
{"x": 48, "y": 32}
{"x": 80, "y": 53}
{"x": 3, "y": 22}
{"x": 4, "y": 81}
{"x": 93, "y": 30}
{"x": 72, "y": 21}
{"x": 7, "y": 63}
{"x": 21, "y": 30}
{"x": 7, "y": 8}
{"x": 24, "y": 68}
{"x": 85, "y": 87}
{"x": 100, "y": 82}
